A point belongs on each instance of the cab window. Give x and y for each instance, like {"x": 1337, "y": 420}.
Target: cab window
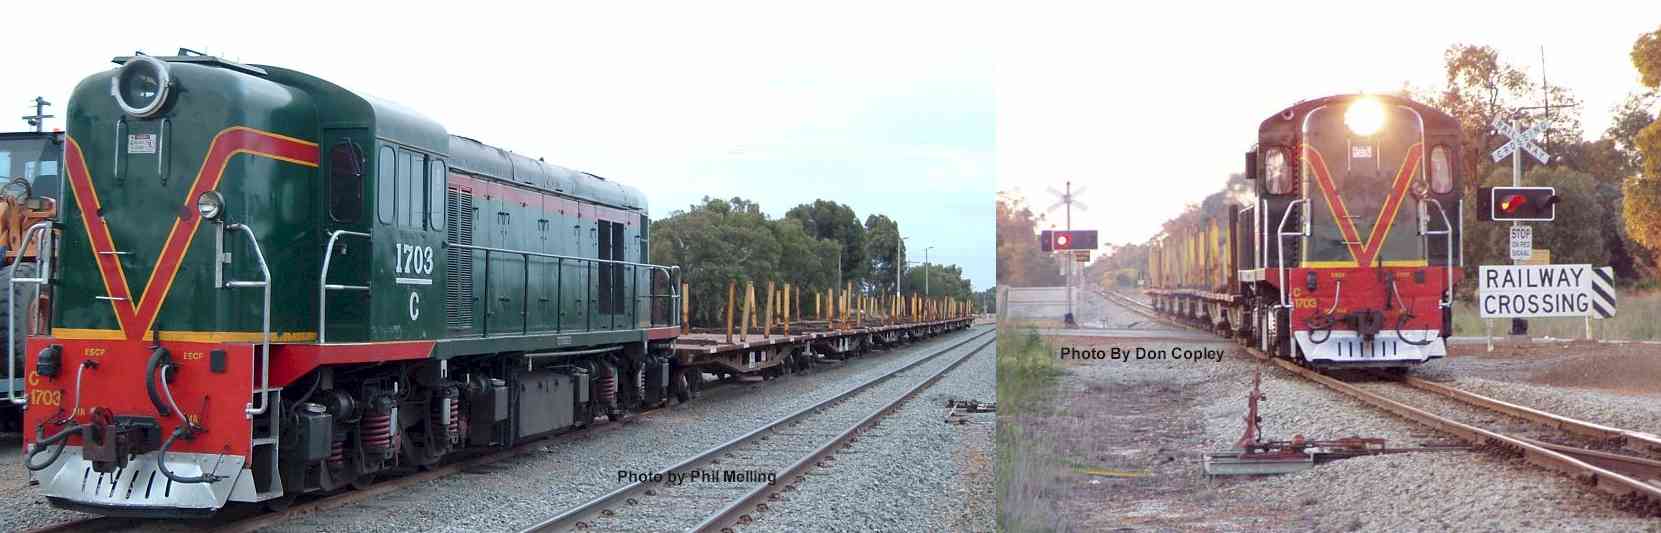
{"x": 345, "y": 182}
{"x": 437, "y": 176}
{"x": 386, "y": 189}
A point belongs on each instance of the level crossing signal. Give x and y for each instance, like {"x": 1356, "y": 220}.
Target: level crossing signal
{"x": 1517, "y": 204}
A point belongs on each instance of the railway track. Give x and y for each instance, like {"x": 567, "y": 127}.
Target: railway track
{"x": 249, "y": 518}
{"x": 1634, "y": 480}
{"x": 766, "y": 463}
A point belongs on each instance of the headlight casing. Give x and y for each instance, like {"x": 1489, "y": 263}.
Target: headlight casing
{"x": 141, "y": 86}
{"x": 210, "y": 205}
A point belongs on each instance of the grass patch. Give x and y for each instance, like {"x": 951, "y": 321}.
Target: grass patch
{"x": 1635, "y": 319}
{"x": 1027, "y": 372}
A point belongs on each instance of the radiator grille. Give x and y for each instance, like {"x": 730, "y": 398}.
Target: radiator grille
{"x": 458, "y": 263}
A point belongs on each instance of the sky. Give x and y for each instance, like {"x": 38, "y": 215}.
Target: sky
{"x": 1150, "y": 108}
{"x": 888, "y": 108}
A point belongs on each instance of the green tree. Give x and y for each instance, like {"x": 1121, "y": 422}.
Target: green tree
{"x": 1020, "y": 262}
{"x": 1482, "y": 87}
{"x": 882, "y": 242}
{"x": 825, "y": 219}
{"x": 941, "y": 281}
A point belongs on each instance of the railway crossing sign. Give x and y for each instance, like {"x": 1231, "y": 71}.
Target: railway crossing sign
{"x": 1520, "y": 141}
{"x": 1537, "y": 291}
{"x": 1522, "y": 242}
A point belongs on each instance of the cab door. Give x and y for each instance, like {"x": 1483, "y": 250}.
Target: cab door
{"x": 347, "y": 208}
{"x": 407, "y": 268}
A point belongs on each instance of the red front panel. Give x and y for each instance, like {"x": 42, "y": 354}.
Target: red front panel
{"x": 215, "y": 400}
{"x": 1362, "y": 289}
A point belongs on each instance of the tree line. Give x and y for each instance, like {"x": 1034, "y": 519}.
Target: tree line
{"x": 815, "y": 246}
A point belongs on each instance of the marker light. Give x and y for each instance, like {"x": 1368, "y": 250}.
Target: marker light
{"x": 210, "y": 205}
{"x": 1365, "y": 116}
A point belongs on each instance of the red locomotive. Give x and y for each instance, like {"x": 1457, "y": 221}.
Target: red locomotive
{"x": 1344, "y": 246}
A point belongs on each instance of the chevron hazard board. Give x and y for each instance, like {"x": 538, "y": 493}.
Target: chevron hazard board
{"x": 1603, "y": 292}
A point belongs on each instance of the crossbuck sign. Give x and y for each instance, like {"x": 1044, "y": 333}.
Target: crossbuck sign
{"x": 1520, "y": 141}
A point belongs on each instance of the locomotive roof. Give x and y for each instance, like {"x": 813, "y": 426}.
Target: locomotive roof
{"x": 475, "y": 157}
{"x": 396, "y": 122}
{"x": 1433, "y": 117}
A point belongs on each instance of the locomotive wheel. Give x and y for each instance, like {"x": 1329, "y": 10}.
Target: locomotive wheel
{"x": 16, "y": 308}
{"x": 695, "y": 382}
{"x": 678, "y": 384}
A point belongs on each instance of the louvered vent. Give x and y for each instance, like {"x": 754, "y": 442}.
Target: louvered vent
{"x": 458, "y": 263}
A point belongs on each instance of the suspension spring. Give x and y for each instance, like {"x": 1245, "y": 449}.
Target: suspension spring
{"x": 451, "y": 423}
{"x": 337, "y": 452}
{"x": 377, "y": 430}
{"x": 608, "y": 389}
{"x": 455, "y": 419}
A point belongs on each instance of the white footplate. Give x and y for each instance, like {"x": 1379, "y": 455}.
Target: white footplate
{"x": 1347, "y": 347}
{"x": 140, "y": 488}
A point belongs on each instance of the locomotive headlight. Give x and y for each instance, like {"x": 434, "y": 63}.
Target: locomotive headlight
{"x": 1365, "y": 116}
{"x": 140, "y": 87}
{"x": 210, "y": 205}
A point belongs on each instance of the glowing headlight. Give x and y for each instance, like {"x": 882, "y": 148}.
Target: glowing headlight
{"x": 140, "y": 87}
{"x": 210, "y": 205}
{"x": 1364, "y": 116}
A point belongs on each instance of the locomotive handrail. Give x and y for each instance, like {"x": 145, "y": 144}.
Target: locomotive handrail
{"x": 265, "y": 320}
{"x": 323, "y": 285}
{"x": 1447, "y": 300}
{"x": 44, "y": 229}
{"x": 672, "y": 271}
{"x": 1280, "y": 245}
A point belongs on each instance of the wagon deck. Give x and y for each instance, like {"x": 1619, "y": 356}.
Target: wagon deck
{"x": 718, "y": 353}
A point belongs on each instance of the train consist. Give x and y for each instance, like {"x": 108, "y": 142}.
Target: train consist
{"x": 1342, "y": 246}
{"x": 264, "y": 284}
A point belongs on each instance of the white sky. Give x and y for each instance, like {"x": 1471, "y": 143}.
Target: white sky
{"x": 1152, "y": 106}
{"x": 888, "y": 108}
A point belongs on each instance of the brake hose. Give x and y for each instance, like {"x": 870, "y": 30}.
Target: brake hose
{"x": 61, "y": 439}
{"x": 187, "y": 430}
{"x": 1406, "y": 314}
{"x": 158, "y": 358}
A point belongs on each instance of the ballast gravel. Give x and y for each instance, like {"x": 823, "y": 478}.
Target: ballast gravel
{"x": 516, "y": 492}
{"x": 911, "y": 472}
{"x": 21, "y": 506}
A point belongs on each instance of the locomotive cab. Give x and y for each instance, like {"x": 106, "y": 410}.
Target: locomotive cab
{"x": 265, "y": 284}
{"x": 1357, "y": 224}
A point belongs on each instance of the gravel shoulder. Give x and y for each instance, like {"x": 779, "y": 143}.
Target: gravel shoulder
{"x": 1154, "y": 420}
{"x": 21, "y": 506}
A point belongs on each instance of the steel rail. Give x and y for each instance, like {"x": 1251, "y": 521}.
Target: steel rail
{"x": 579, "y": 516}
{"x": 738, "y": 512}
{"x": 1573, "y": 463}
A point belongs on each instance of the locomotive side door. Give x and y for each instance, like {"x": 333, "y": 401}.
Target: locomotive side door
{"x": 348, "y": 164}
{"x": 406, "y": 273}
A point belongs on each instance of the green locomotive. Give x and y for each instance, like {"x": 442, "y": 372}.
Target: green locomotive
{"x": 281, "y": 286}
